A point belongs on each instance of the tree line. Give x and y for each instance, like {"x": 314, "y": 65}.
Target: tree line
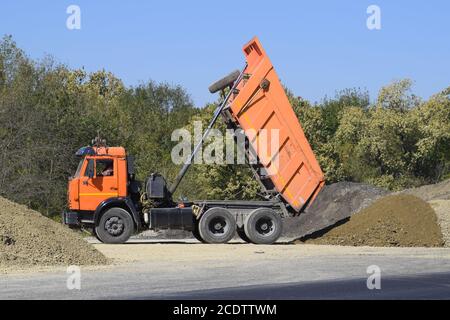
{"x": 48, "y": 111}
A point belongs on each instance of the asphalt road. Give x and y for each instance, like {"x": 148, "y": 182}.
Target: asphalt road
{"x": 241, "y": 271}
{"x": 422, "y": 286}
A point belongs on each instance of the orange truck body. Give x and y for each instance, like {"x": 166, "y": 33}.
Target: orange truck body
{"x": 86, "y": 193}
{"x": 293, "y": 169}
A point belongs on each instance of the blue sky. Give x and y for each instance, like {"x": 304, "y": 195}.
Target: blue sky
{"x": 317, "y": 47}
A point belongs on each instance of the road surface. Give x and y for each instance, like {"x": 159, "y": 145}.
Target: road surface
{"x": 421, "y": 286}
{"x": 183, "y": 270}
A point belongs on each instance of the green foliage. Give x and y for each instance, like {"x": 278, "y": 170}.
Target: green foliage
{"x": 395, "y": 143}
{"x": 213, "y": 181}
{"x": 398, "y": 96}
{"x": 47, "y": 111}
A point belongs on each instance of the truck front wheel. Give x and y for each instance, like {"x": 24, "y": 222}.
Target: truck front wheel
{"x": 115, "y": 226}
{"x": 263, "y": 226}
{"x": 217, "y": 225}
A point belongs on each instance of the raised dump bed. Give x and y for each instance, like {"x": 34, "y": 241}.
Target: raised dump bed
{"x": 261, "y": 103}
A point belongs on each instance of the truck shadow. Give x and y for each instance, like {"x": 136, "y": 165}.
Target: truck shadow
{"x": 195, "y": 242}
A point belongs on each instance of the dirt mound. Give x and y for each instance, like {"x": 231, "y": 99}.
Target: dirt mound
{"x": 442, "y": 210}
{"x": 396, "y": 221}
{"x": 438, "y": 196}
{"x": 335, "y": 203}
{"x": 438, "y": 191}
{"x": 29, "y": 238}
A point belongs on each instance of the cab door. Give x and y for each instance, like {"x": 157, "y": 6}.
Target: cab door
{"x": 98, "y": 183}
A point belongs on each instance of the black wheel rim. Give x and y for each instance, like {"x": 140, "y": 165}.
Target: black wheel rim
{"x": 218, "y": 226}
{"x": 265, "y": 226}
{"x": 114, "y": 226}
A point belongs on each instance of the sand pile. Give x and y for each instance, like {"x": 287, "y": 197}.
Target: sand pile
{"x": 438, "y": 196}
{"x": 438, "y": 191}
{"x": 335, "y": 203}
{"x": 29, "y": 238}
{"x": 396, "y": 221}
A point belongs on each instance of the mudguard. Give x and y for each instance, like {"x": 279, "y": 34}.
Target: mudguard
{"x": 122, "y": 202}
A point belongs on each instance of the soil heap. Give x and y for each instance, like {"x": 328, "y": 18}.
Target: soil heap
{"x": 29, "y": 238}
{"x": 336, "y": 202}
{"x": 393, "y": 221}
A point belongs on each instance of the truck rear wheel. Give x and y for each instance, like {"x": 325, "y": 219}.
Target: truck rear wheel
{"x": 196, "y": 233}
{"x": 263, "y": 226}
{"x": 115, "y": 226}
{"x": 217, "y": 225}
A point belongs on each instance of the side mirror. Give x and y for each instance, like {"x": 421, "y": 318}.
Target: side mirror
{"x": 90, "y": 169}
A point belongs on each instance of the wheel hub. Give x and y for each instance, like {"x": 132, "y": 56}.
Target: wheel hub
{"x": 218, "y": 226}
{"x": 114, "y": 226}
{"x": 265, "y": 226}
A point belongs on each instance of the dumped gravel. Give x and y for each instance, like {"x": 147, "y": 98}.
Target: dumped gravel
{"x": 393, "y": 221}
{"x": 438, "y": 191}
{"x": 28, "y": 238}
{"x": 438, "y": 196}
{"x": 442, "y": 209}
{"x": 336, "y": 202}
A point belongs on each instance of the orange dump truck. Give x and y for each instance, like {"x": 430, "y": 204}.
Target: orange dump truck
{"x": 104, "y": 195}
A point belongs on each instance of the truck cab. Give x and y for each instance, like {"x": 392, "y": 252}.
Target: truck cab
{"x": 101, "y": 174}
{"x": 104, "y": 179}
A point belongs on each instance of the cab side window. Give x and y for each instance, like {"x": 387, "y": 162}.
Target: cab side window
{"x": 105, "y": 168}
{"x": 89, "y": 172}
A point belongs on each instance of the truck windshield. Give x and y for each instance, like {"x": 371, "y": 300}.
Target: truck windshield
{"x": 77, "y": 173}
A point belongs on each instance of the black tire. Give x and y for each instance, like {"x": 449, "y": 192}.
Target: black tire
{"x": 224, "y": 82}
{"x": 115, "y": 226}
{"x": 196, "y": 233}
{"x": 217, "y": 225}
{"x": 263, "y": 226}
{"x": 242, "y": 235}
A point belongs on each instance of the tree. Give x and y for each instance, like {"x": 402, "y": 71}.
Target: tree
{"x": 48, "y": 111}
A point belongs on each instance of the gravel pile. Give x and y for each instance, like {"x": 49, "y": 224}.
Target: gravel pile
{"x": 438, "y": 196}
{"x": 28, "y": 238}
{"x": 393, "y": 221}
{"x": 335, "y": 203}
{"x": 438, "y": 191}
